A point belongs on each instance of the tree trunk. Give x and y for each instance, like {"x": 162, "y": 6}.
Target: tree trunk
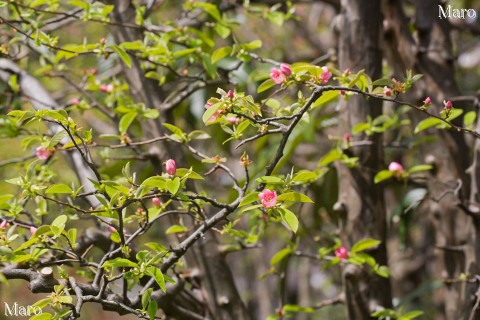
{"x": 360, "y": 200}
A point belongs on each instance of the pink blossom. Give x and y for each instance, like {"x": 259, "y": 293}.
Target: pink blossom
{"x": 170, "y": 166}
{"x": 394, "y": 80}
{"x": 103, "y": 40}
{"x": 139, "y": 210}
{"x": 326, "y": 75}
{"x": 285, "y": 69}
{"x": 111, "y": 229}
{"x": 346, "y": 72}
{"x": 341, "y": 253}
{"x": 215, "y": 115}
{"x": 395, "y": 166}
{"x": 448, "y": 105}
{"x": 230, "y": 94}
{"x": 233, "y": 120}
{"x": 347, "y": 138}
{"x": 427, "y": 101}
{"x": 43, "y": 153}
{"x": 32, "y": 230}
{"x": 387, "y": 91}
{"x": 106, "y": 88}
{"x": 74, "y": 101}
{"x": 268, "y": 198}
{"x": 277, "y": 76}
{"x": 156, "y": 202}
{"x": 4, "y": 224}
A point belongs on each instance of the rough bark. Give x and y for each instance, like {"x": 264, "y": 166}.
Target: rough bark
{"x": 360, "y": 200}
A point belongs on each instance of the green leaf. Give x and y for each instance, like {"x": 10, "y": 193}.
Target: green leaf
{"x": 42, "y": 303}
{"x": 173, "y": 128}
{"x": 295, "y": 308}
{"x": 119, "y": 262}
{"x": 270, "y": 180}
{"x": 454, "y": 113}
{"x": 42, "y": 316}
{"x": 126, "y": 121}
{"x": 364, "y": 245}
{"x": 382, "y": 175}
{"x": 158, "y": 275}
{"x": 294, "y": 197}
{"x": 58, "y": 225}
{"x": 330, "y": 157}
{"x": 152, "y": 309}
{"x": 469, "y": 118}
{"x": 181, "y": 172}
{"x": 267, "y": 84}
{"x": 304, "y": 176}
{"x": 421, "y": 167}
{"x": 210, "y": 111}
{"x": 176, "y": 229}
{"x": 146, "y": 298}
{"x": 198, "y": 135}
{"x": 59, "y": 188}
{"x": 325, "y": 98}
{"x": 411, "y": 315}
{"x": 123, "y": 55}
{"x": 155, "y": 181}
{"x": 173, "y": 185}
{"x": 255, "y": 44}
{"x": 427, "y": 123}
{"x": 279, "y": 256}
{"x": 221, "y": 53}
{"x": 249, "y": 198}
{"x": 289, "y": 218}
{"x": 57, "y": 138}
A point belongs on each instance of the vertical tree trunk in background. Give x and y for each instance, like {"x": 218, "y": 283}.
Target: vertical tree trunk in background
{"x": 359, "y": 198}
{"x": 455, "y": 232}
{"x": 214, "y": 275}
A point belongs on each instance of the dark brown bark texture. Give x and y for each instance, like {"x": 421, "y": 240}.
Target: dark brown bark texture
{"x": 360, "y": 200}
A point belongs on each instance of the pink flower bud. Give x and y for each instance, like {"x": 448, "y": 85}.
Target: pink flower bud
{"x": 32, "y": 230}
{"x": 43, "y": 153}
{"x": 394, "y": 80}
{"x": 346, "y": 72}
{"x": 106, "y": 88}
{"x": 285, "y": 69}
{"x": 395, "y": 167}
{"x": 139, "y": 210}
{"x": 111, "y": 229}
{"x": 208, "y": 105}
{"x": 233, "y": 120}
{"x": 103, "y": 40}
{"x": 230, "y": 94}
{"x": 4, "y": 224}
{"x": 427, "y": 101}
{"x": 277, "y": 76}
{"x": 341, "y": 253}
{"x": 268, "y": 198}
{"x": 448, "y": 105}
{"x": 343, "y": 92}
{"x": 347, "y": 138}
{"x": 170, "y": 167}
{"x": 387, "y": 91}
{"x": 74, "y": 101}
{"x": 156, "y": 202}
{"x": 326, "y": 75}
